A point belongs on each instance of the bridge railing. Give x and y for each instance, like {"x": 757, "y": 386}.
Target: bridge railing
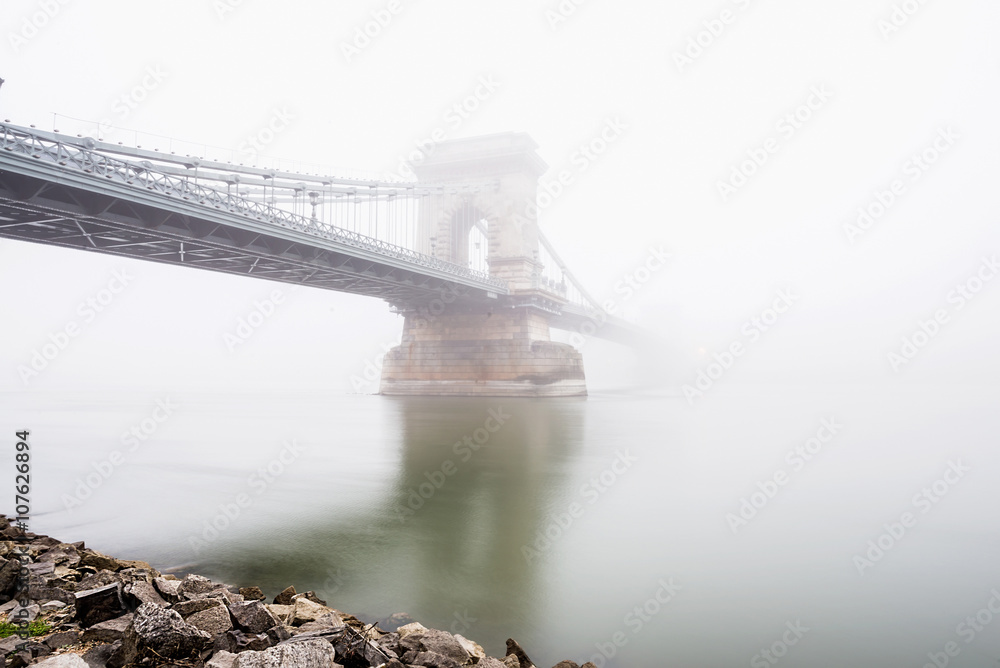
{"x": 556, "y": 277}
{"x": 146, "y": 176}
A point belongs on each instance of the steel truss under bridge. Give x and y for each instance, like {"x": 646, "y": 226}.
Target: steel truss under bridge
{"x": 65, "y": 191}
{"x": 350, "y": 235}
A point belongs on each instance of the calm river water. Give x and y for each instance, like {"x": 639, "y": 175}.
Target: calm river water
{"x": 608, "y": 523}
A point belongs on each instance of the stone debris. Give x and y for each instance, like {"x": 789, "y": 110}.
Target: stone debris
{"x": 252, "y": 593}
{"x": 94, "y": 606}
{"x": 158, "y": 633}
{"x": 106, "y": 631}
{"x": 104, "y": 612}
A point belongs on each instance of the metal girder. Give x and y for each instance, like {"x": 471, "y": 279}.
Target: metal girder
{"x": 79, "y": 194}
{"x": 172, "y": 248}
{"x": 51, "y": 157}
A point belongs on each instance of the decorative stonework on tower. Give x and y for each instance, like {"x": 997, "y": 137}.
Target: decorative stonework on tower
{"x": 501, "y": 349}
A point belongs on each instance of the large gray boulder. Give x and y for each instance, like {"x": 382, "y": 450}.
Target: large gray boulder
{"x": 253, "y": 616}
{"x": 168, "y": 588}
{"x": 306, "y": 610}
{"x": 185, "y": 608}
{"x": 40, "y": 592}
{"x": 98, "y": 579}
{"x": 305, "y": 654}
{"x": 98, "y": 561}
{"x": 63, "y": 661}
{"x": 237, "y": 641}
{"x": 222, "y": 659}
{"x": 196, "y": 586}
{"x": 490, "y": 662}
{"x": 28, "y": 613}
{"x": 100, "y": 604}
{"x": 474, "y": 649}
{"x": 140, "y": 592}
{"x": 62, "y": 638}
{"x": 412, "y": 627}
{"x": 158, "y": 632}
{"x": 439, "y": 642}
{"x": 40, "y": 568}
{"x": 328, "y": 622}
{"x": 252, "y": 593}
{"x": 99, "y": 655}
{"x": 429, "y": 660}
{"x": 108, "y": 631}
{"x": 62, "y": 554}
{"x": 9, "y": 644}
{"x": 213, "y": 621}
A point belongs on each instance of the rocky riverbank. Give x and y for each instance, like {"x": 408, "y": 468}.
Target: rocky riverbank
{"x": 73, "y": 607}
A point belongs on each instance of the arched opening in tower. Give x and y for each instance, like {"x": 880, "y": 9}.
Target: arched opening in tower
{"x": 470, "y": 238}
{"x": 479, "y": 247}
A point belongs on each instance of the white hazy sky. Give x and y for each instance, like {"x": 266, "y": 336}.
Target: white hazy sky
{"x": 222, "y": 71}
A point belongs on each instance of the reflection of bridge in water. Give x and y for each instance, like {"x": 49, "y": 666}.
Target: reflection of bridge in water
{"x": 459, "y": 253}
{"x": 459, "y": 552}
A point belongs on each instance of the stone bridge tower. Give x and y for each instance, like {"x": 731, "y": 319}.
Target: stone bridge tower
{"x": 500, "y": 348}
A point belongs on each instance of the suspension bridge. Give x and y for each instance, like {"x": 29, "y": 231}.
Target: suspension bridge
{"x": 458, "y": 252}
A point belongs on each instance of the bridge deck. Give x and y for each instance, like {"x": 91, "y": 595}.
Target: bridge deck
{"x": 66, "y": 193}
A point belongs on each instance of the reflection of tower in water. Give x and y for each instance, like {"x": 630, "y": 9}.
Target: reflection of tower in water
{"x": 444, "y": 543}
{"x": 492, "y": 479}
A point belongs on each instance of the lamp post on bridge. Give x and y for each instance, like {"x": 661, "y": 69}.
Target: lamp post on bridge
{"x": 314, "y": 200}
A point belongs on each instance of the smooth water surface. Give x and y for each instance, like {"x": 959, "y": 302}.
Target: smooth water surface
{"x": 573, "y": 523}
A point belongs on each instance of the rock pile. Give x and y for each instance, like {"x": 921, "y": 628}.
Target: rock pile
{"x": 104, "y": 612}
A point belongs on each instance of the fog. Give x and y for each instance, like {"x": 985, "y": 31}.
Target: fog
{"x": 823, "y": 177}
{"x": 683, "y": 128}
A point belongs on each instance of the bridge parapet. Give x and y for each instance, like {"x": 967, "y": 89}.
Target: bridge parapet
{"x": 82, "y": 157}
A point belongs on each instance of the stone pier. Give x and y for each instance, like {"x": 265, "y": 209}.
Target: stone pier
{"x": 504, "y": 353}
{"x": 503, "y": 349}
